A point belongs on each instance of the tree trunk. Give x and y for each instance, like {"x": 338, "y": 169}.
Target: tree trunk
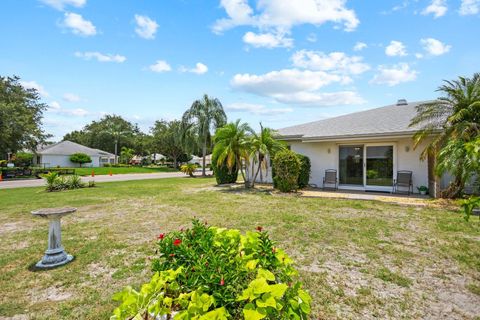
{"x": 239, "y": 163}
{"x": 204, "y": 153}
{"x": 175, "y": 162}
{"x": 256, "y": 174}
{"x": 116, "y": 160}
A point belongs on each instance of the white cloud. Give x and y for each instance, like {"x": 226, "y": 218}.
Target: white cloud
{"x": 435, "y": 47}
{"x": 359, "y": 46}
{"x": 55, "y": 107}
{"x": 322, "y": 98}
{"x": 100, "y": 57}
{"x": 71, "y": 97}
{"x": 437, "y": 7}
{"x": 200, "y": 68}
{"x": 61, "y": 4}
{"x": 280, "y": 16}
{"x": 394, "y": 75}
{"x": 146, "y": 27}
{"x": 336, "y": 62}
{"x": 293, "y": 86}
{"x": 34, "y": 85}
{"x": 395, "y": 48}
{"x": 256, "y": 109}
{"x": 267, "y": 40}
{"x": 160, "y": 66}
{"x": 79, "y": 25}
{"x": 469, "y": 7}
{"x": 418, "y": 55}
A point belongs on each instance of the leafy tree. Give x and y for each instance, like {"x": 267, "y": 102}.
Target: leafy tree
{"x": 126, "y": 155}
{"x": 232, "y": 146}
{"x": 167, "y": 139}
{"x": 80, "y": 158}
{"x": 203, "y": 116}
{"x": 21, "y": 113}
{"x": 107, "y": 134}
{"x": 457, "y": 115}
{"x": 264, "y": 146}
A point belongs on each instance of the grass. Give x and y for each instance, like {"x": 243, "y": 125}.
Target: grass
{"x": 356, "y": 258}
{"x": 121, "y": 170}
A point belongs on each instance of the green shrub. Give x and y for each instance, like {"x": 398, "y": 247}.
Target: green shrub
{"x": 469, "y": 205}
{"x": 222, "y": 174}
{"x": 80, "y": 158}
{"x": 212, "y": 273}
{"x": 23, "y": 159}
{"x": 55, "y": 182}
{"x": 287, "y": 169}
{"x": 107, "y": 165}
{"x": 305, "y": 167}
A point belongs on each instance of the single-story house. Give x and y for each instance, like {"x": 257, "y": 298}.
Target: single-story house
{"x": 366, "y": 149}
{"x": 199, "y": 160}
{"x": 58, "y": 155}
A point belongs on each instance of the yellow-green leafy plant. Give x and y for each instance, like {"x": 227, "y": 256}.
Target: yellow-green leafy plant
{"x": 213, "y": 273}
{"x": 188, "y": 169}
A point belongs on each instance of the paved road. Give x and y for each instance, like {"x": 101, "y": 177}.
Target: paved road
{"x": 102, "y": 178}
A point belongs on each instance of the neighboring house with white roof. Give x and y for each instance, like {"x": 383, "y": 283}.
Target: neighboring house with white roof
{"x": 366, "y": 148}
{"x": 58, "y": 155}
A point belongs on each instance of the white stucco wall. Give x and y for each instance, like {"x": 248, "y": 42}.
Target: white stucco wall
{"x": 324, "y": 155}
{"x": 64, "y": 161}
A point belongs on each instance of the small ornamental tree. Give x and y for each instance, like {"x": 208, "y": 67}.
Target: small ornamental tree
{"x": 287, "y": 169}
{"x": 305, "y": 167}
{"x": 80, "y": 158}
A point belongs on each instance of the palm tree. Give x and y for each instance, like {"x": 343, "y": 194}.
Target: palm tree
{"x": 263, "y": 147}
{"x": 450, "y": 121}
{"x": 232, "y": 145}
{"x": 203, "y": 116}
{"x": 116, "y": 131}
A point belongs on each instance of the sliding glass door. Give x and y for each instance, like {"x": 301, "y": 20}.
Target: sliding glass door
{"x": 379, "y": 166}
{"x": 369, "y": 166}
{"x": 351, "y": 165}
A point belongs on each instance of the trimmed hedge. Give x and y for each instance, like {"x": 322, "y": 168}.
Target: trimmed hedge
{"x": 287, "y": 169}
{"x": 222, "y": 174}
{"x": 305, "y": 167}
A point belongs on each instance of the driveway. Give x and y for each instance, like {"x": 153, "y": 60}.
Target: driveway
{"x": 101, "y": 178}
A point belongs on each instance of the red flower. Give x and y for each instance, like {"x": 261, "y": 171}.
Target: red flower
{"x": 161, "y": 236}
{"x": 172, "y": 254}
{"x": 222, "y": 282}
{"x": 259, "y": 229}
{"x": 177, "y": 242}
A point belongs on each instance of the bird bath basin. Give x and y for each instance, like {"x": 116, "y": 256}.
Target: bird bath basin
{"x": 55, "y": 254}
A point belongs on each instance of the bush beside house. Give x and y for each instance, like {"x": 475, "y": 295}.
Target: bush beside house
{"x": 80, "y": 158}
{"x": 305, "y": 167}
{"x": 287, "y": 170}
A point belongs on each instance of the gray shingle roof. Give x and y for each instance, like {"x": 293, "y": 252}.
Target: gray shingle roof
{"x": 389, "y": 120}
{"x": 68, "y": 148}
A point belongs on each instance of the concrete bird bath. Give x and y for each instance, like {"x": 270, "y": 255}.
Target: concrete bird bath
{"x": 55, "y": 254}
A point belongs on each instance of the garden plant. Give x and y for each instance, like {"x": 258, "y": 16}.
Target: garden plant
{"x": 213, "y": 273}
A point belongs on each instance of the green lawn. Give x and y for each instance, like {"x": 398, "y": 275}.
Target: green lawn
{"x": 358, "y": 259}
{"x": 121, "y": 170}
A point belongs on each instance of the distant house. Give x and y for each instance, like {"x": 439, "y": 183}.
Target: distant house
{"x": 199, "y": 160}
{"x": 58, "y": 154}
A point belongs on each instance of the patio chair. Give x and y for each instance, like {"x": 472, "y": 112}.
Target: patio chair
{"x": 330, "y": 178}
{"x": 403, "y": 181}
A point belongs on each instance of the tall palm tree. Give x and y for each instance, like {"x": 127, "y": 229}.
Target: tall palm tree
{"x": 232, "y": 145}
{"x": 203, "y": 116}
{"x": 117, "y": 132}
{"x": 263, "y": 147}
{"x": 453, "y": 117}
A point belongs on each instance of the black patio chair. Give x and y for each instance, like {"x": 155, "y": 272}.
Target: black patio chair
{"x": 330, "y": 178}
{"x": 403, "y": 181}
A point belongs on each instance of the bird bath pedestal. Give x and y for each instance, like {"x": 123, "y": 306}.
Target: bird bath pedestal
{"x": 55, "y": 254}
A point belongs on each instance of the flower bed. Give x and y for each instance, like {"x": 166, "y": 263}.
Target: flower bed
{"x": 212, "y": 273}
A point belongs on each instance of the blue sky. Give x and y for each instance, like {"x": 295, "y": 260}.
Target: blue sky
{"x": 277, "y": 61}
